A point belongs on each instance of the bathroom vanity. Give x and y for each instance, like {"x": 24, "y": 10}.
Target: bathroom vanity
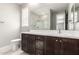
{"x": 55, "y": 32}
{"x": 42, "y": 44}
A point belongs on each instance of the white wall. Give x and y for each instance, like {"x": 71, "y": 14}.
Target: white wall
{"x": 25, "y": 16}
{"x": 10, "y": 29}
{"x": 25, "y": 19}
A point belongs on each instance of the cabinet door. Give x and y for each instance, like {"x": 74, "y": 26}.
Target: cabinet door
{"x": 40, "y": 42}
{"x": 24, "y": 42}
{"x": 70, "y": 46}
{"x": 31, "y": 44}
{"x": 52, "y": 46}
{"x": 28, "y": 43}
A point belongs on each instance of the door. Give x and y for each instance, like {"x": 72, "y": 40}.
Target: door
{"x": 24, "y": 42}
{"x": 28, "y": 43}
{"x": 70, "y": 46}
{"x": 31, "y": 44}
{"x": 52, "y": 46}
{"x": 40, "y": 45}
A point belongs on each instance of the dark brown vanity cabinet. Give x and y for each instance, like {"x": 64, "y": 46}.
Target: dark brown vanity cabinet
{"x": 69, "y": 46}
{"x": 52, "y": 46}
{"x": 28, "y": 43}
{"x": 33, "y": 44}
{"x": 40, "y": 45}
{"x": 48, "y": 45}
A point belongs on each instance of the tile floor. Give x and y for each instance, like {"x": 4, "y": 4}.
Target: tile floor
{"x": 17, "y": 52}
{"x": 12, "y": 49}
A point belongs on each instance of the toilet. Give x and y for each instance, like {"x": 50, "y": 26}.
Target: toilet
{"x": 16, "y": 44}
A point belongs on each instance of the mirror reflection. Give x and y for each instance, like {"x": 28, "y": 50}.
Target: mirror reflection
{"x": 54, "y": 16}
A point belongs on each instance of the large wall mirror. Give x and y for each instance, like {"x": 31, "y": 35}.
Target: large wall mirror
{"x": 76, "y": 16}
{"x": 73, "y": 17}
{"x": 54, "y": 16}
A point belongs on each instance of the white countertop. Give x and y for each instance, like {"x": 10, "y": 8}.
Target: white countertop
{"x": 66, "y": 34}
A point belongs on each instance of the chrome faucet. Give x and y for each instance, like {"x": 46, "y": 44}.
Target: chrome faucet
{"x": 59, "y": 31}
